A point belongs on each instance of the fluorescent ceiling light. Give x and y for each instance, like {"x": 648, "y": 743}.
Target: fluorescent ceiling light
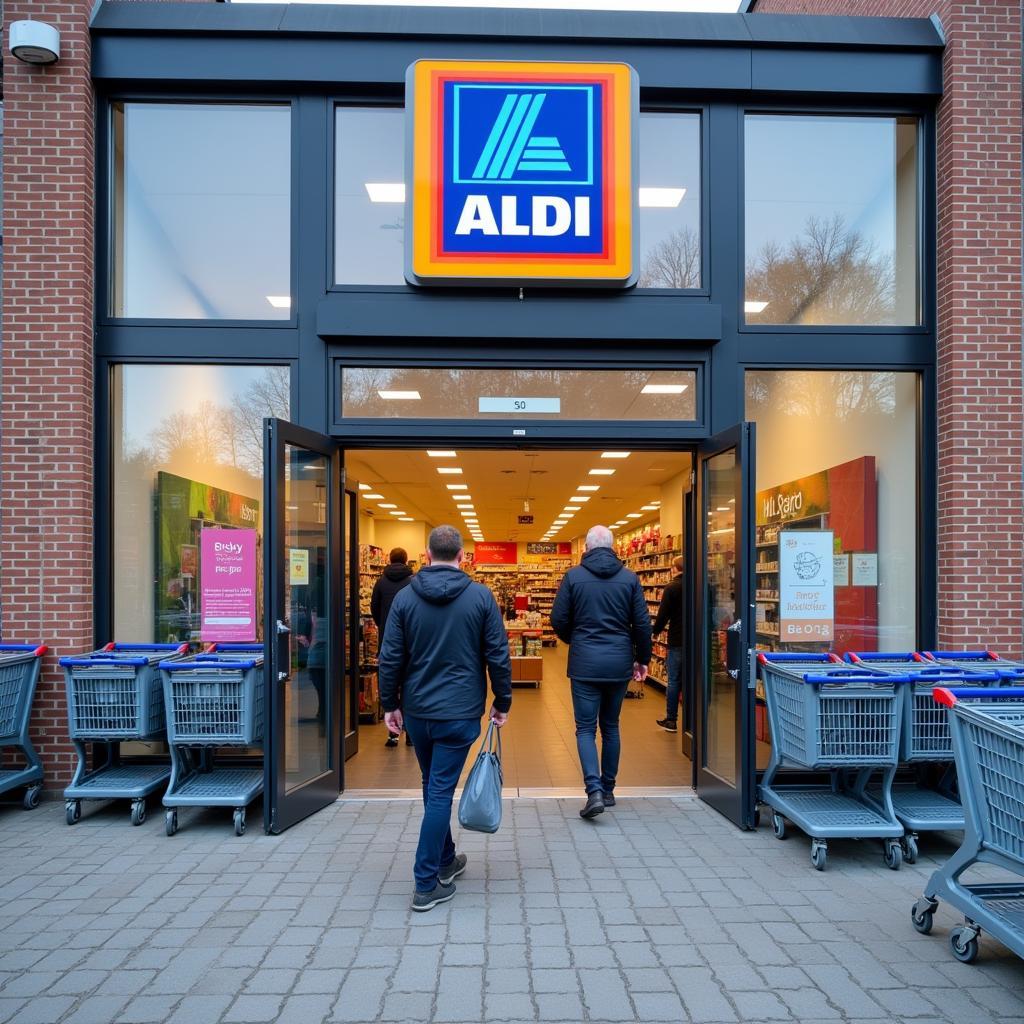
{"x": 614, "y": 526}
{"x": 280, "y": 301}
{"x": 400, "y": 396}
{"x": 365, "y": 487}
{"x": 441, "y": 455}
{"x": 406, "y": 519}
{"x": 399, "y": 513}
{"x": 723, "y": 508}
{"x": 374, "y": 497}
{"x": 384, "y": 504}
{"x": 658, "y": 198}
{"x": 589, "y": 487}
{"x": 464, "y": 506}
{"x": 633, "y": 515}
{"x": 663, "y": 389}
{"x": 615, "y": 455}
{"x": 457, "y": 487}
{"x": 621, "y": 522}
{"x": 385, "y": 191}
{"x": 571, "y": 508}
{"x": 648, "y": 508}
{"x": 450, "y": 470}
{"x": 754, "y": 307}
{"x": 602, "y": 472}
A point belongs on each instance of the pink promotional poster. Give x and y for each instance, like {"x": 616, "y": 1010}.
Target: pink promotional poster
{"x": 227, "y": 570}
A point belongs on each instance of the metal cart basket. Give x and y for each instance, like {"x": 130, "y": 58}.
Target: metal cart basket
{"x": 212, "y": 700}
{"x": 925, "y": 741}
{"x": 114, "y": 695}
{"x": 988, "y": 743}
{"x": 19, "y": 673}
{"x": 829, "y": 716}
{"x": 973, "y": 661}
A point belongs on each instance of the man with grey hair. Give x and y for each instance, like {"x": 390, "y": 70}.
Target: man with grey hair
{"x": 443, "y": 636}
{"x": 601, "y": 613}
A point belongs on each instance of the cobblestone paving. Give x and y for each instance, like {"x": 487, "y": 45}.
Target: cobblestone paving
{"x": 658, "y": 911}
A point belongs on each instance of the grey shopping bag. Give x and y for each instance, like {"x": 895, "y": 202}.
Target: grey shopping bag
{"x": 480, "y": 803}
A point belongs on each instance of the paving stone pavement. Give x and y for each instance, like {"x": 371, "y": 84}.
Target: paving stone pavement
{"x": 660, "y": 910}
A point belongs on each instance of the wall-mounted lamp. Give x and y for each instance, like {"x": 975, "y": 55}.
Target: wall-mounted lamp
{"x": 34, "y": 42}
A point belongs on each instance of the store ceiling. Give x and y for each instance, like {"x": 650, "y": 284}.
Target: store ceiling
{"x": 498, "y": 483}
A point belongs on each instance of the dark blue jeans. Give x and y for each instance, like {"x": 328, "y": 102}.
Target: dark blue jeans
{"x": 596, "y": 704}
{"x": 675, "y": 682}
{"x": 441, "y": 748}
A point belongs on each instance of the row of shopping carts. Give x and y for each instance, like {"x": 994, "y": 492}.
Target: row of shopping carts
{"x": 199, "y": 703}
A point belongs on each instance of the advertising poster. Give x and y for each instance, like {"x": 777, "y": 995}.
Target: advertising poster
{"x": 497, "y": 552}
{"x": 806, "y": 598}
{"x": 228, "y": 584}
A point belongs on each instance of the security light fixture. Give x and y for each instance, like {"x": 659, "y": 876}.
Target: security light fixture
{"x": 399, "y": 396}
{"x": 34, "y": 42}
{"x": 385, "y": 191}
{"x": 660, "y": 198}
{"x": 663, "y": 389}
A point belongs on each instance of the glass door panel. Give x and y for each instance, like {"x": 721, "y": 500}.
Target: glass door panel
{"x": 353, "y": 667}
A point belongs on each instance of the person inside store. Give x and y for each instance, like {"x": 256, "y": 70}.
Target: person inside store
{"x": 444, "y": 636}
{"x": 670, "y": 614}
{"x": 601, "y": 613}
{"x": 394, "y": 578}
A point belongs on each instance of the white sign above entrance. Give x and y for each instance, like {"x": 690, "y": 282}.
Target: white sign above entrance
{"x": 526, "y": 405}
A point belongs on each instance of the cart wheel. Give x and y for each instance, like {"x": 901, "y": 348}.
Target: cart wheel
{"x": 910, "y": 849}
{"x": 779, "y": 827}
{"x": 924, "y": 918}
{"x": 137, "y": 812}
{"x": 819, "y": 855}
{"x": 965, "y": 951}
{"x": 239, "y": 821}
{"x": 171, "y": 821}
{"x": 31, "y": 798}
{"x": 893, "y": 854}
{"x": 72, "y": 811}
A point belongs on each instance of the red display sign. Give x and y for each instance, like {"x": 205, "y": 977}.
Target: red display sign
{"x": 497, "y": 552}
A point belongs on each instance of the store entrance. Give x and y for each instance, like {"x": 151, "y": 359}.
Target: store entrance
{"x": 524, "y": 515}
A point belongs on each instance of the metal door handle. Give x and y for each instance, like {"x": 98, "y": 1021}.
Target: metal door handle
{"x": 282, "y": 628}
{"x": 732, "y": 649}
{"x": 282, "y": 677}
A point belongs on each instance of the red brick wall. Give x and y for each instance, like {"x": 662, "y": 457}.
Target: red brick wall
{"x": 46, "y": 441}
{"x": 980, "y": 400}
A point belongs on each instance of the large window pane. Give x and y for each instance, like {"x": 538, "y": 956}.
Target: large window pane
{"x": 668, "y": 235}
{"x": 837, "y": 454}
{"x": 369, "y": 196}
{"x": 187, "y": 445}
{"x": 202, "y": 211}
{"x": 831, "y": 219}
{"x": 474, "y": 394}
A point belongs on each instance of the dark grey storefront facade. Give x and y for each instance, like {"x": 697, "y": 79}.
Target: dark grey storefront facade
{"x": 738, "y": 79}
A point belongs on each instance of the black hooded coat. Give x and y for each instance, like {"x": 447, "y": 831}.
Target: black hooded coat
{"x": 601, "y": 613}
{"x": 442, "y": 638}
{"x": 394, "y": 578}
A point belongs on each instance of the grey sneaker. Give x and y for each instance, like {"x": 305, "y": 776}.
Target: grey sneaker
{"x": 449, "y": 872}
{"x": 423, "y": 901}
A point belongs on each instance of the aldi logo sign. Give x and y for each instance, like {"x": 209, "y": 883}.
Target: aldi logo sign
{"x": 521, "y": 173}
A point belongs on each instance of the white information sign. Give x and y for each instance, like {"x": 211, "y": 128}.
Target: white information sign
{"x": 841, "y": 570}
{"x": 526, "y": 405}
{"x": 806, "y": 599}
{"x": 865, "y": 569}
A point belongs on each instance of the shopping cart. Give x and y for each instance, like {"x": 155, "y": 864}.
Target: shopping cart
{"x": 974, "y": 661}
{"x": 19, "y": 672}
{"x": 114, "y": 696}
{"x": 988, "y": 742}
{"x": 928, "y": 804}
{"x": 829, "y": 716}
{"x": 213, "y": 700}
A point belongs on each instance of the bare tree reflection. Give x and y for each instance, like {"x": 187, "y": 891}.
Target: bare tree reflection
{"x": 674, "y": 262}
{"x": 820, "y": 396}
{"x": 830, "y": 274}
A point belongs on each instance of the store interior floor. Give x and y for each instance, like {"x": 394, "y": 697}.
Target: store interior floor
{"x": 524, "y": 515}
{"x": 539, "y": 743}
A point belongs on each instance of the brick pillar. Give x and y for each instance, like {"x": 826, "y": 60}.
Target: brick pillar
{"x": 980, "y": 395}
{"x": 46, "y": 401}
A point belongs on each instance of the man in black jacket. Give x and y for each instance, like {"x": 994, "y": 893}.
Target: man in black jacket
{"x": 670, "y": 613}
{"x": 442, "y": 638}
{"x": 600, "y": 611}
{"x": 394, "y": 578}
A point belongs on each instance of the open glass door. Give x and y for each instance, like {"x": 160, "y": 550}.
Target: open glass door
{"x": 725, "y": 609}
{"x": 352, "y": 619}
{"x": 302, "y": 623}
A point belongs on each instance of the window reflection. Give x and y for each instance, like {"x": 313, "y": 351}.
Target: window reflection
{"x": 202, "y": 211}
{"x": 831, "y": 219}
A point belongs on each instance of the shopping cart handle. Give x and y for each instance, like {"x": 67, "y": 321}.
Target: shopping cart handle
{"x": 1008, "y": 673}
{"x": 780, "y": 657}
{"x": 37, "y": 649}
{"x": 959, "y": 675}
{"x": 962, "y": 655}
{"x": 854, "y": 676}
{"x": 948, "y": 696}
{"x": 219, "y": 646}
{"x": 94, "y": 662}
{"x": 184, "y": 666}
{"x": 179, "y": 647}
{"x": 854, "y": 656}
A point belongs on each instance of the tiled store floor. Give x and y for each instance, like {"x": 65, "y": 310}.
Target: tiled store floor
{"x": 658, "y": 910}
